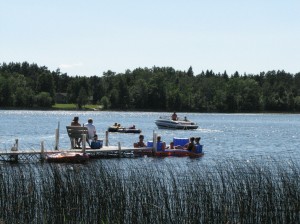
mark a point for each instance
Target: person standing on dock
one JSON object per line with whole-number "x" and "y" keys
{"x": 91, "y": 130}
{"x": 75, "y": 122}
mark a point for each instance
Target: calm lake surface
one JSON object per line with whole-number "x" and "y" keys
{"x": 224, "y": 136}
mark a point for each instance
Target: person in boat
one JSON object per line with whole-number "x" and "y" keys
{"x": 140, "y": 143}
{"x": 191, "y": 145}
{"x": 197, "y": 140}
{"x": 174, "y": 116}
{"x": 75, "y": 122}
{"x": 91, "y": 130}
{"x": 132, "y": 127}
{"x": 172, "y": 146}
{"x": 96, "y": 144}
{"x": 161, "y": 146}
{"x": 198, "y": 146}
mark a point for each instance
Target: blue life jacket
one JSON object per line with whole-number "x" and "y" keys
{"x": 96, "y": 144}
{"x": 198, "y": 148}
{"x": 159, "y": 146}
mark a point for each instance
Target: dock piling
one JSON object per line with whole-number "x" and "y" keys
{"x": 106, "y": 138}
{"x": 15, "y": 148}
{"x": 119, "y": 148}
{"x": 83, "y": 143}
{"x": 42, "y": 157}
{"x": 154, "y": 142}
{"x": 56, "y": 138}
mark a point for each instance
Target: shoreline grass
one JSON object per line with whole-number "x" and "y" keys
{"x": 74, "y": 107}
{"x": 106, "y": 192}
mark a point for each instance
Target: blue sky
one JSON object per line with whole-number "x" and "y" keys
{"x": 93, "y": 36}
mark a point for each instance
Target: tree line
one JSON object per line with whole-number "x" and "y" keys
{"x": 24, "y": 85}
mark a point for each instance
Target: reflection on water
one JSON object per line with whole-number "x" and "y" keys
{"x": 224, "y": 136}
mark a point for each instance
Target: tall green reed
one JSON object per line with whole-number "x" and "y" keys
{"x": 145, "y": 191}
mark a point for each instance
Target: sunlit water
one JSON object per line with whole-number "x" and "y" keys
{"x": 224, "y": 136}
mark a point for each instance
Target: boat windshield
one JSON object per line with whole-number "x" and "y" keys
{"x": 170, "y": 118}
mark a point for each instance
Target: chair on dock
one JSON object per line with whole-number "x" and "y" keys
{"x": 76, "y": 132}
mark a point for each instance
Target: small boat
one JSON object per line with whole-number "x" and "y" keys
{"x": 67, "y": 157}
{"x": 183, "y": 124}
{"x": 178, "y": 153}
{"x": 168, "y": 152}
{"x": 124, "y": 130}
{"x": 149, "y": 151}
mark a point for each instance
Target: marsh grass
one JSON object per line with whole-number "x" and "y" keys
{"x": 105, "y": 191}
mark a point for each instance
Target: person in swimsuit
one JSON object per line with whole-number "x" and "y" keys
{"x": 140, "y": 143}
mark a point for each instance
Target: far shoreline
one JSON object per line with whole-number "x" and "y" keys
{"x": 162, "y": 111}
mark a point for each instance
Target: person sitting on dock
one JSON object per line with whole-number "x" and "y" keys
{"x": 161, "y": 146}
{"x": 140, "y": 143}
{"x": 91, "y": 130}
{"x": 75, "y": 122}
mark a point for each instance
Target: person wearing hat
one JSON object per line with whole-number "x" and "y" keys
{"x": 91, "y": 130}
{"x": 76, "y": 123}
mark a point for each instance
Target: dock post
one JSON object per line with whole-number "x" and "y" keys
{"x": 15, "y": 148}
{"x": 42, "y": 151}
{"x": 106, "y": 138}
{"x": 56, "y": 137}
{"x": 154, "y": 142}
{"x": 83, "y": 142}
{"x": 119, "y": 148}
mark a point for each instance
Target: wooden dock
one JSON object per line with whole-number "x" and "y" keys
{"x": 15, "y": 155}
{"x": 37, "y": 156}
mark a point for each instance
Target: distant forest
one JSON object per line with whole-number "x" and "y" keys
{"x": 24, "y": 85}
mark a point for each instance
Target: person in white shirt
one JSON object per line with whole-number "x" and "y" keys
{"x": 91, "y": 130}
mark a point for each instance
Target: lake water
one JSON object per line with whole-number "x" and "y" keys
{"x": 224, "y": 136}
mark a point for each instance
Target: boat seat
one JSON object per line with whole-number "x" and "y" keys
{"x": 76, "y": 132}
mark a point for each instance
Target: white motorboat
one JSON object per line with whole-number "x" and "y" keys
{"x": 166, "y": 122}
